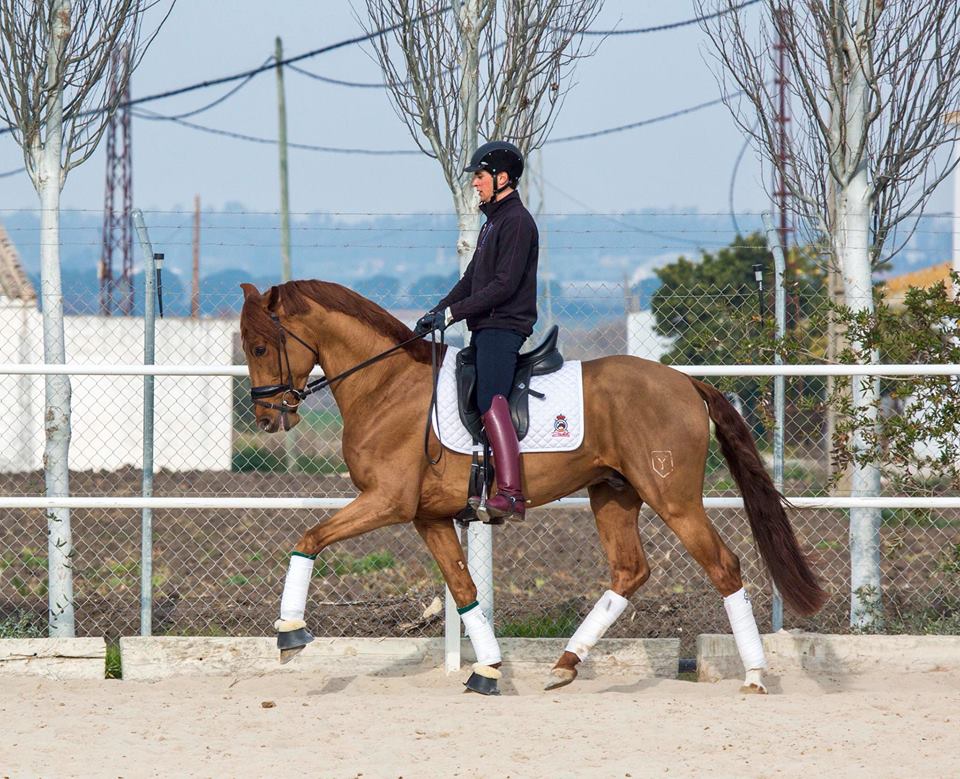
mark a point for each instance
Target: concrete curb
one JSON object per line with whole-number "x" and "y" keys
{"x": 149, "y": 659}
{"x": 55, "y": 658}
{"x": 788, "y": 651}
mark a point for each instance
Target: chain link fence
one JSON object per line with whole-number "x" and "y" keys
{"x": 220, "y": 572}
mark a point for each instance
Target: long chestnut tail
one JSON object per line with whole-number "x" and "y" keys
{"x": 765, "y": 506}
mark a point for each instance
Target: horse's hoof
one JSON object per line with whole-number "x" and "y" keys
{"x": 483, "y": 680}
{"x": 286, "y": 655}
{"x": 560, "y": 677}
{"x": 753, "y": 684}
{"x": 291, "y": 642}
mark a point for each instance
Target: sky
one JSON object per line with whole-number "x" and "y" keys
{"x": 684, "y": 163}
{"x": 681, "y": 164}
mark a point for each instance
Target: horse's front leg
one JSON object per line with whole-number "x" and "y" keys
{"x": 368, "y": 512}
{"x": 441, "y": 539}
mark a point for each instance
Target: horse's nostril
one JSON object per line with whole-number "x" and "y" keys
{"x": 264, "y": 424}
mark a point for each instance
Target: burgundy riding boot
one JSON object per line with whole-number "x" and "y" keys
{"x": 508, "y": 502}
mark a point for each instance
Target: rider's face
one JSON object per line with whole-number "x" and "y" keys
{"x": 483, "y": 184}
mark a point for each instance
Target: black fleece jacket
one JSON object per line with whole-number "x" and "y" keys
{"x": 499, "y": 287}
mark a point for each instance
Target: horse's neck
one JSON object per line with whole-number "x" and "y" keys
{"x": 345, "y": 343}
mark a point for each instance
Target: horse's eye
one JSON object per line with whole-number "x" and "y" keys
{"x": 259, "y": 351}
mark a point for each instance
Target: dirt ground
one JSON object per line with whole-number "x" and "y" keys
{"x": 421, "y": 724}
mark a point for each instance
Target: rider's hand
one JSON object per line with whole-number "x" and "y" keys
{"x": 432, "y": 320}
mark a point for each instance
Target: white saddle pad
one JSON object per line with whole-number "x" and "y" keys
{"x": 556, "y": 422}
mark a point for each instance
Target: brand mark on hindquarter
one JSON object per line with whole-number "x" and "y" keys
{"x": 662, "y": 461}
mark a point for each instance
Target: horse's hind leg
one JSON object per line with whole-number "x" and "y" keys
{"x": 442, "y": 541}
{"x": 692, "y": 526}
{"x": 616, "y": 511}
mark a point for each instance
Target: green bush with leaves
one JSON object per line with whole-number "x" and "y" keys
{"x": 914, "y": 440}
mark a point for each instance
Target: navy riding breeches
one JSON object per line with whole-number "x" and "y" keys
{"x": 496, "y": 363}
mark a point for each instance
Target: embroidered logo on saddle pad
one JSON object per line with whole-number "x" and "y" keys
{"x": 560, "y": 427}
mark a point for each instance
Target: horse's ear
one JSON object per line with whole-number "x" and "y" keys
{"x": 250, "y": 292}
{"x": 272, "y": 299}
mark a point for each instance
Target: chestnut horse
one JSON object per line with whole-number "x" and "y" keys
{"x": 635, "y": 412}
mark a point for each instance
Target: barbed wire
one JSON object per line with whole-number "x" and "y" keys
{"x": 344, "y": 228}
{"x": 432, "y": 246}
{"x": 448, "y": 214}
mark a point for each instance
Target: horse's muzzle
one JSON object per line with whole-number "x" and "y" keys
{"x": 280, "y": 420}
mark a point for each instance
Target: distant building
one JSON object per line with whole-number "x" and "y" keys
{"x": 14, "y": 283}
{"x": 194, "y": 415}
{"x": 897, "y": 286}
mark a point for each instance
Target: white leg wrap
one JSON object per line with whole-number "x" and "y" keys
{"x": 294, "y": 600}
{"x": 744, "y": 626}
{"x": 601, "y": 617}
{"x": 481, "y": 636}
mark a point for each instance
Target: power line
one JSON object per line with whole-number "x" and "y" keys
{"x": 286, "y": 61}
{"x": 222, "y": 98}
{"x": 142, "y": 114}
{"x": 642, "y": 122}
{"x": 153, "y": 116}
{"x": 337, "y": 81}
{"x": 671, "y": 25}
{"x": 248, "y": 74}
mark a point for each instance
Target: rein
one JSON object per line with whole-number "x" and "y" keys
{"x": 258, "y": 394}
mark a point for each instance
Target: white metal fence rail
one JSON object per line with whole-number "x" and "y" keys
{"x": 309, "y": 503}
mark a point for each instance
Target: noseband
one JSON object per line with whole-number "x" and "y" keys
{"x": 288, "y": 390}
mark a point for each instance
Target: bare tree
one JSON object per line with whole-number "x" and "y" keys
{"x": 460, "y": 71}
{"x": 871, "y": 83}
{"x": 58, "y": 60}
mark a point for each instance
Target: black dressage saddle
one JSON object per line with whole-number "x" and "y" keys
{"x": 543, "y": 359}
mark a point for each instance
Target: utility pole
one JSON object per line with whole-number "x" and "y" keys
{"x": 285, "y": 269}
{"x": 195, "y": 296}
{"x": 290, "y": 437}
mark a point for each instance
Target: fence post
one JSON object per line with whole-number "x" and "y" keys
{"x": 149, "y": 354}
{"x": 779, "y": 386}
{"x": 451, "y": 627}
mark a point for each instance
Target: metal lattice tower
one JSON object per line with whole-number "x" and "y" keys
{"x": 117, "y": 293}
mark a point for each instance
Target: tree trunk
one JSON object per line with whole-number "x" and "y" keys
{"x": 57, "y": 388}
{"x": 468, "y": 220}
{"x": 853, "y": 236}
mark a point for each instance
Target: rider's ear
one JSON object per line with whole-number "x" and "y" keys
{"x": 250, "y": 292}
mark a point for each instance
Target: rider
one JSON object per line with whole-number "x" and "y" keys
{"x": 497, "y": 295}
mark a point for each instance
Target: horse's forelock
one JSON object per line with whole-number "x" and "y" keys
{"x": 255, "y": 323}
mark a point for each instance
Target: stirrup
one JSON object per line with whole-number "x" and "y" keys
{"x": 484, "y": 515}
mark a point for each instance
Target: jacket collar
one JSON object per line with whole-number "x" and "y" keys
{"x": 490, "y": 209}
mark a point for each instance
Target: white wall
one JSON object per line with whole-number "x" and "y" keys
{"x": 642, "y": 339}
{"x": 193, "y": 415}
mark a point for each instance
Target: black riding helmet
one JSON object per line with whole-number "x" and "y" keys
{"x": 496, "y": 157}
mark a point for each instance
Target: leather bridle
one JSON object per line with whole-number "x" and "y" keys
{"x": 258, "y": 394}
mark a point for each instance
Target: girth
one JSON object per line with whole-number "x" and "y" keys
{"x": 543, "y": 359}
